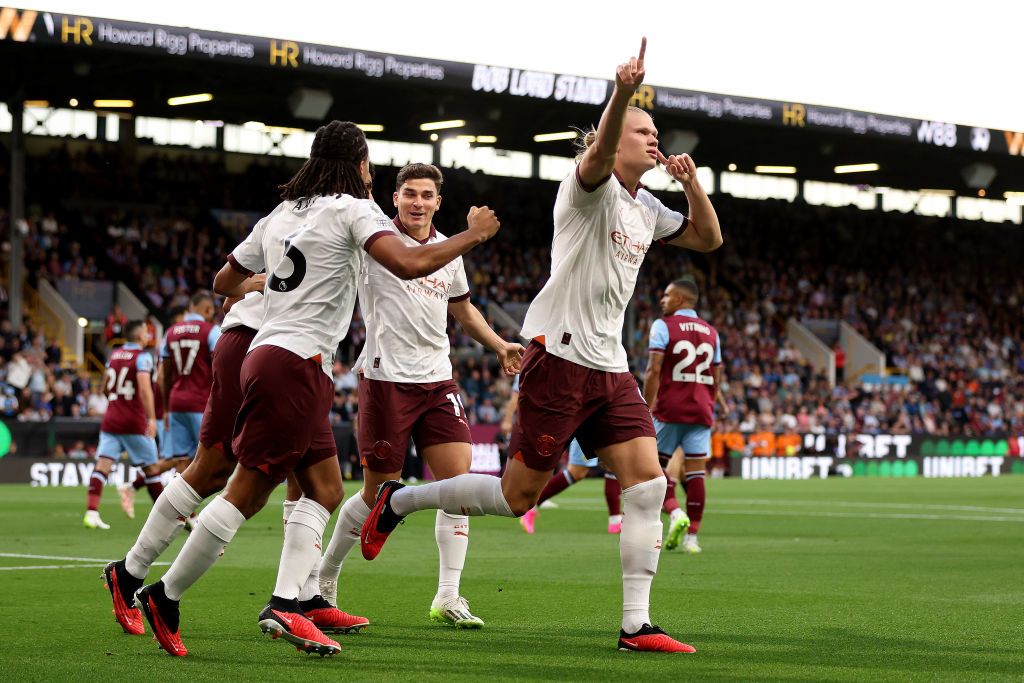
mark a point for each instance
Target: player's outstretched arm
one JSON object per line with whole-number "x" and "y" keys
{"x": 704, "y": 232}
{"x": 599, "y": 159}
{"x": 412, "y": 262}
{"x": 473, "y": 322}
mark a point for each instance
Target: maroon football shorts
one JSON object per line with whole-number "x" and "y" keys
{"x": 283, "y": 423}
{"x": 559, "y": 399}
{"x": 226, "y": 390}
{"x": 391, "y": 412}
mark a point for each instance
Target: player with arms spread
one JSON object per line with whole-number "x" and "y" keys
{"x": 311, "y": 246}
{"x": 406, "y": 389}
{"x": 575, "y": 379}
{"x": 682, "y": 395}
{"x": 129, "y": 425}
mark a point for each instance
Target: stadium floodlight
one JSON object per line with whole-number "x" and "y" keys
{"x": 856, "y": 168}
{"x": 785, "y": 170}
{"x": 479, "y": 139}
{"x": 189, "y": 99}
{"x": 442, "y": 125}
{"x": 73, "y": 102}
{"x": 113, "y": 104}
{"x": 732, "y": 167}
{"x": 551, "y": 137}
{"x": 371, "y": 127}
{"x": 82, "y": 322}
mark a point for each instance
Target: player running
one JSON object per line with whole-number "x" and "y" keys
{"x": 129, "y": 425}
{"x": 406, "y": 389}
{"x": 575, "y": 378}
{"x": 166, "y": 461}
{"x": 311, "y": 245}
{"x": 682, "y": 395}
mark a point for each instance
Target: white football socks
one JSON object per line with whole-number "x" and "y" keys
{"x": 311, "y": 588}
{"x": 165, "y": 521}
{"x": 216, "y": 526}
{"x": 466, "y": 494}
{"x": 286, "y": 511}
{"x": 345, "y": 537}
{"x": 303, "y": 535}
{"x": 452, "y": 535}
{"x": 639, "y": 549}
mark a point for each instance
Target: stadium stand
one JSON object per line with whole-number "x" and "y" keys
{"x": 949, "y": 320}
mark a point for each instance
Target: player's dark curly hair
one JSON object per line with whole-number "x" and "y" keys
{"x": 333, "y": 165}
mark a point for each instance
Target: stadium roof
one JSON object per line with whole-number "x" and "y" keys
{"x": 253, "y": 78}
{"x": 937, "y": 61}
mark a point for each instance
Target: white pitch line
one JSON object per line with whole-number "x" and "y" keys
{"x": 90, "y": 560}
{"x": 840, "y": 503}
{"x": 55, "y": 566}
{"x": 55, "y": 557}
{"x": 865, "y": 504}
{"x": 820, "y": 513}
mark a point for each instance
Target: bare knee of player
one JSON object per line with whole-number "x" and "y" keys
{"x": 448, "y": 460}
{"x": 327, "y": 493}
{"x": 695, "y": 463}
{"x": 578, "y": 472}
{"x": 209, "y": 472}
{"x": 632, "y": 462}
{"x": 321, "y": 483}
{"x": 104, "y": 464}
{"x": 292, "y": 491}
{"x": 521, "y": 503}
{"x": 249, "y": 491}
{"x": 372, "y": 481}
{"x": 520, "y": 495}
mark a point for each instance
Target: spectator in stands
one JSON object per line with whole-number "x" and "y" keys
{"x": 116, "y": 320}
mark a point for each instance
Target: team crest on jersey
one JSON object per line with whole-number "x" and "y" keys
{"x": 545, "y": 444}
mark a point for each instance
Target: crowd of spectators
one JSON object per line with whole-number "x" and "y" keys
{"x": 35, "y": 385}
{"x": 940, "y": 297}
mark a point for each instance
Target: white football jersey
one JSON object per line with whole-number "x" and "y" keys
{"x": 407, "y": 320}
{"x": 600, "y": 241}
{"x": 248, "y": 312}
{"x": 312, "y": 251}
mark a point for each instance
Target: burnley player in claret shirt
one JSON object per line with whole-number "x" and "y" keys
{"x": 682, "y": 385}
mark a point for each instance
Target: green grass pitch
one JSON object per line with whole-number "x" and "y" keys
{"x": 864, "y": 580}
